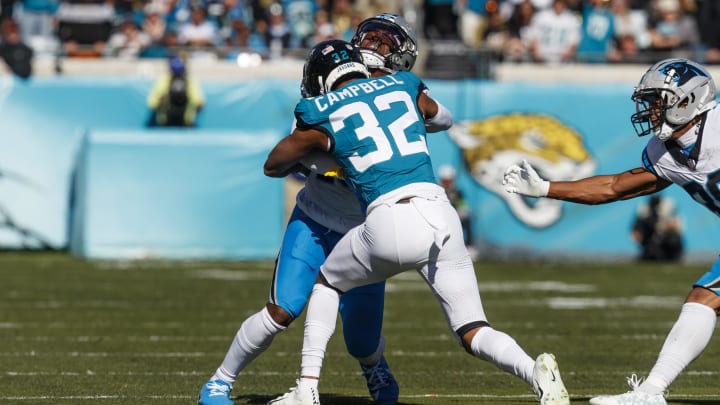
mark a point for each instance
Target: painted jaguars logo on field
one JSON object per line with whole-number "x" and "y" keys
{"x": 553, "y": 148}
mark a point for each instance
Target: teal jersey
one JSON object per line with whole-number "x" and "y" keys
{"x": 377, "y": 132}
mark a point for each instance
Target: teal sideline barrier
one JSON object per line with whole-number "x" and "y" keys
{"x": 565, "y": 130}
{"x": 44, "y": 121}
{"x": 176, "y": 195}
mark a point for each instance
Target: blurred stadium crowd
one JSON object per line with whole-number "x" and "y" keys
{"x": 539, "y": 31}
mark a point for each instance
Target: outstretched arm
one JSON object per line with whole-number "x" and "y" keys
{"x": 285, "y": 156}
{"x": 608, "y": 188}
{"x": 593, "y": 190}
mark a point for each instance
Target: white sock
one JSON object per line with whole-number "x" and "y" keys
{"x": 503, "y": 351}
{"x": 307, "y": 383}
{"x": 320, "y": 322}
{"x": 253, "y": 337}
{"x": 686, "y": 341}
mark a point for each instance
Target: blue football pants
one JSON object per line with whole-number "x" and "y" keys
{"x": 304, "y": 248}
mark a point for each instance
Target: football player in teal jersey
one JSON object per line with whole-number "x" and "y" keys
{"x": 326, "y": 208}
{"x": 675, "y": 102}
{"x": 375, "y": 128}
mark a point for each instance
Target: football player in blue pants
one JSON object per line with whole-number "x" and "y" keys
{"x": 375, "y": 127}
{"x": 675, "y": 102}
{"x": 326, "y": 209}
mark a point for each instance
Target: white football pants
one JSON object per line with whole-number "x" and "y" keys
{"x": 423, "y": 234}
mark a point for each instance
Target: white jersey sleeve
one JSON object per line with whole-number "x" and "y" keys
{"x": 331, "y": 203}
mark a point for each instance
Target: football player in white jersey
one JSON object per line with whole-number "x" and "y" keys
{"x": 325, "y": 210}
{"x": 675, "y": 102}
{"x": 375, "y": 128}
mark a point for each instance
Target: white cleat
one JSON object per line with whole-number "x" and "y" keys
{"x": 547, "y": 384}
{"x": 297, "y": 396}
{"x": 632, "y": 397}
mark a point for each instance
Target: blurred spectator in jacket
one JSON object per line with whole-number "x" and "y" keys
{"x": 243, "y": 46}
{"x": 355, "y": 20}
{"x": 472, "y": 16}
{"x": 178, "y": 11}
{"x": 555, "y": 34}
{"x": 160, "y": 7}
{"x": 37, "y": 24}
{"x": 154, "y": 26}
{"x": 176, "y": 98}
{"x": 658, "y": 230}
{"x": 708, "y": 18}
{"x": 278, "y": 33}
{"x": 672, "y": 30}
{"x": 198, "y": 30}
{"x": 128, "y": 41}
{"x": 597, "y": 33}
{"x": 518, "y": 46}
{"x": 232, "y": 10}
{"x": 258, "y": 38}
{"x": 238, "y": 35}
{"x": 300, "y": 16}
{"x": 631, "y": 31}
{"x": 16, "y": 54}
{"x": 341, "y": 14}
{"x": 324, "y": 28}
{"x": 496, "y": 35}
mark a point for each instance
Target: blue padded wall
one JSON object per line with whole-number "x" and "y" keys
{"x": 176, "y": 195}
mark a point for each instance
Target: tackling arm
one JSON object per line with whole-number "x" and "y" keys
{"x": 593, "y": 190}
{"x": 437, "y": 117}
{"x": 285, "y": 156}
{"x": 608, "y": 188}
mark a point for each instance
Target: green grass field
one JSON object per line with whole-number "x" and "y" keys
{"x": 77, "y": 332}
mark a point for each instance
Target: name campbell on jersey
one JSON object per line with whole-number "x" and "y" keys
{"x": 377, "y": 134}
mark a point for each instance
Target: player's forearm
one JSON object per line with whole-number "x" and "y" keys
{"x": 592, "y": 190}
{"x": 280, "y": 169}
{"x": 286, "y": 155}
{"x": 282, "y": 160}
{"x": 440, "y": 121}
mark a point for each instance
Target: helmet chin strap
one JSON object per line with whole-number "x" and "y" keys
{"x": 664, "y": 132}
{"x": 375, "y": 61}
{"x": 372, "y": 59}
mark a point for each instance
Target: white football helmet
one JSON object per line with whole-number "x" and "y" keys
{"x": 670, "y": 94}
{"x": 393, "y": 31}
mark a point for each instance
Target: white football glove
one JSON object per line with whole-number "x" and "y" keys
{"x": 525, "y": 180}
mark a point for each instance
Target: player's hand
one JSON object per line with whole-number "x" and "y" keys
{"x": 525, "y": 180}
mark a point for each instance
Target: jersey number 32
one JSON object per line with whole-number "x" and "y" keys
{"x": 371, "y": 128}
